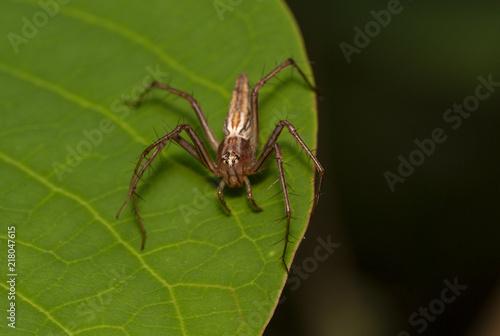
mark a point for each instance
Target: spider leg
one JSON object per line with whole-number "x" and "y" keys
{"x": 275, "y": 147}
{"x": 198, "y": 151}
{"x": 272, "y": 146}
{"x": 254, "y": 137}
{"x": 221, "y": 196}
{"x": 139, "y": 169}
{"x": 212, "y": 140}
{"x": 269, "y": 147}
{"x": 288, "y": 210}
{"x": 250, "y": 195}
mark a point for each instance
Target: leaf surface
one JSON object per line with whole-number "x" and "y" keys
{"x": 68, "y": 147}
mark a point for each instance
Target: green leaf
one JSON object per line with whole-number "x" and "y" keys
{"x": 68, "y": 146}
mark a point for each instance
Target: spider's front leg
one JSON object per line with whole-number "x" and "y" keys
{"x": 214, "y": 143}
{"x": 197, "y": 150}
{"x": 272, "y": 146}
{"x": 254, "y": 138}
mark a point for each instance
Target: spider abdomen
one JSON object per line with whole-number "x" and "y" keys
{"x": 239, "y": 119}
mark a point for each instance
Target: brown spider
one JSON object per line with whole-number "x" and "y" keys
{"x": 236, "y": 153}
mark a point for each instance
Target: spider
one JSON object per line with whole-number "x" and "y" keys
{"x": 236, "y": 153}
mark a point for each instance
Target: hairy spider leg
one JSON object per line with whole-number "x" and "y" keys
{"x": 212, "y": 139}
{"x": 198, "y": 151}
{"x": 271, "y": 146}
{"x": 254, "y": 137}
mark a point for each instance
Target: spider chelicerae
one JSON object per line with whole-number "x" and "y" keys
{"x": 236, "y": 153}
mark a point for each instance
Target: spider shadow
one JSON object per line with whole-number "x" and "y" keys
{"x": 187, "y": 115}
{"x": 167, "y": 163}
{"x": 209, "y": 190}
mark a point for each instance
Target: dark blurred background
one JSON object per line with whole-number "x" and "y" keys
{"x": 400, "y": 248}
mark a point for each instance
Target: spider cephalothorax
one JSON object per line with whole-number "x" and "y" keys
{"x": 233, "y": 158}
{"x": 236, "y": 153}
